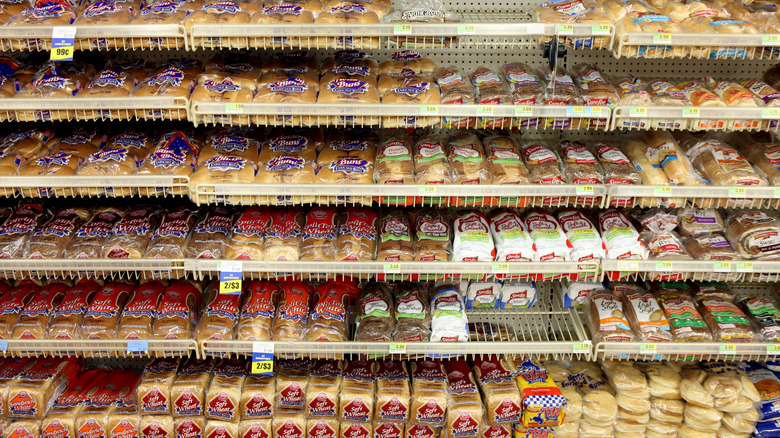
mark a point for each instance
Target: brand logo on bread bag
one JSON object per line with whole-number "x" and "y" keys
{"x": 187, "y": 404}
{"x": 229, "y": 143}
{"x": 406, "y": 55}
{"x": 48, "y": 11}
{"x": 356, "y": 410}
{"x": 434, "y": 227}
{"x": 393, "y": 409}
{"x": 321, "y": 429}
{"x": 22, "y": 404}
{"x": 387, "y": 430}
{"x": 420, "y": 431}
{"x": 361, "y": 229}
{"x": 225, "y": 306}
{"x": 358, "y": 70}
{"x": 221, "y": 86}
{"x": 222, "y": 406}
{"x": 125, "y": 429}
{"x": 55, "y": 429}
{"x": 154, "y": 430}
{"x": 222, "y": 7}
{"x": 507, "y": 412}
{"x": 50, "y": 81}
{"x": 170, "y": 76}
{"x": 290, "y": 85}
{"x": 430, "y": 412}
{"x": 283, "y": 9}
{"x": 289, "y": 430}
{"x": 349, "y": 9}
{"x": 288, "y": 143}
{"x": 100, "y": 8}
{"x": 498, "y": 431}
{"x": 348, "y": 145}
{"x": 292, "y": 394}
{"x": 132, "y": 140}
{"x": 413, "y": 90}
{"x": 225, "y": 162}
{"x": 347, "y": 86}
{"x": 188, "y": 429}
{"x": 108, "y": 77}
{"x": 60, "y": 158}
{"x": 215, "y": 223}
{"x": 258, "y": 406}
{"x": 282, "y": 163}
{"x": 166, "y": 157}
{"x": 154, "y": 401}
{"x": 163, "y": 7}
{"x": 356, "y": 430}
{"x": 91, "y": 429}
{"x": 256, "y": 431}
{"x": 322, "y": 406}
{"x": 464, "y": 425}
{"x": 349, "y": 165}
{"x": 105, "y": 155}
{"x": 219, "y": 432}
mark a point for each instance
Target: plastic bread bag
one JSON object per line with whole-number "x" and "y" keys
{"x": 318, "y": 237}
{"x": 542, "y": 401}
{"x": 357, "y": 234}
{"x": 550, "y": 242}
{"x": 35, "y": 316}
{"x": 699, "y": 95}
{"x": 560, "y": 89}
{"x": 620, "y": 237}
{"x": 725, "y": 319}
{"x": 467, "y": 160}
{"x": 763, "y": 156}
{"x": 504, "y": 161}
{"x": 753, "y": 233}
{"x": 543, "y": 164}
{"x": 472, "y": 240}
{"x": 430, "y": 161}
{"x": 665, "y": 245}
{"x": 394, "y": 164}
{"x": 140, "y": 310}
{"x": 176, "y": 155}
{"x": 412, "y": 312}
{"x": 292, "y": 312}
{"x": 220, "y": 315}
{"x": 581, "y": 233}
{"x": 483, "y": 295}
{"x": 328, "y": 319}
{"x": 287, "y": 159}
{"x": 455, "y": 88}
{"x": 577, "y": 11}
{"x": 767, "y": 385}
{"x": 491, "y": 90}
{"x": 649, "y": 21}
{"x": 525, "y": 86}
{"x": 159, "y": 12}
{"x": 178, "y": 311}
{"x": 512, "y": 241}
{"x": 48, "y": 14}
{"x": 348, "y": 161}
{"x": 516, "y": 295}
{"x": 646, "y": 317}
{"x": 283, "y": 235}
{"x": 665, "y": 150}
{"x": 69, "y": 315}
{"x": 616, "y": 166}
{"x": 257, "y": 311}
{"x": 697, "y": 222}
{"x": 394, "y": 239}
{"x": 711, "y": 247}
{"x": 218, "y": 12}
{"x": 431, "y": 236}
{"x": 12, "y": 303}
{"x": 169, "y": 239}
{"x": 764, "y": 314}
{"x": 632, "y": 91}
{"x": 132, "y": 234}
{"x": 291, "y": 385}
{"x": 595, "y": 89}
{"x": 608, "y": 321}
{"x": 448, "y": 317}
{"x": 650, "y": 171}
{"x": 580, "y": 166}
{"x": 102, "y": 317}
{"x": 210, "y": 235}
{"x": 763, "y": 91}
{"x": 89, "y": 240}
{"x": 109, "y": 161}
{"x": 51, "y": 239}
{"x": 246, "y": 240}
{"x": 350, "y": 62}
{"x": 722, "y": 164}
{"x": 376, "y": 321}
{"x": 407, "y": 59}
{"x": 663, "y": 93}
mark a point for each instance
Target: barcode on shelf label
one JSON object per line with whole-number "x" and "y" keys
{"x": 662, "y": 190}
{"x": 728, "y": 349}
{"x": 771, "y": 40}
{"x": 581, "y": 347}
{"x": 485, "y": 110}
{"x": 721, "y": 267}
{"x": 402, "y": 29}
{"x": 773, "y": 349}
{"x": 737, "y": 192}
{"x": 397, "y": 348}
{"x": 467, "y": 29}
{"x": 234, "y": 108}
{"x": 138, "y": 346}
{"x": 744, "y": 266}
{"x": 524, "y": 111}
{"x": 565, "y": 29}
{"x": 664, "y": 266}
{"x": 691, "y": 113}
{"x": 499, "y": 268}
{"x": 640, "y": 111}
{"x": 628, "y": 265}
{"x": 391, "y": 268}
{"x": 584, "y": 190}
{"x": 648, "y": 348}
{"x": 429, "y": 110}
{"x": 770, "y": 113}
{"x": 427, "y": 190}
{"x": 600, "y": 29}
{"x": 662, "y": 38}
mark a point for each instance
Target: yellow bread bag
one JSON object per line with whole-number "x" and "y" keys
{"x": 542, "y": 400}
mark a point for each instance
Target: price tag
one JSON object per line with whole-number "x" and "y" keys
{"x": 777, "y": 192}
{"x": 600, "y": 29}
{"x": 485, "y": 110}
{"x": 593, "y": 109}
{"x": 737, "y": 192}
{"x": 770, "y": 113}
{"x": 645, "y": 348}
{"x": 639, "y": 111}
{"x": 230, "y": 275}
{"x": 535, "y": 28}
{"x": 773, "y": 349}
{"x": 429, "y": 110}
{"x": 62, "y": 43}
{"x": 500, "y": 268}
{"x": 234, "y": 108}
{"x": 524, "y": 111}
{"x": 138, "y": 346}
{"x": 721, "y": 267}
{"x": 467, "y": 29}
{"x": 427, "y": 190}
{"x": 3, "y": 346}
{"x": 662, "y": 190}
{"x": 771, "y": 40}
{"x": 628, "y": 265}
{"x": 691, "y": 113}
{"x": 397, "y": 348}
{"x": 565, "y": 29}
{"x": 581, "y": 347}
{"x": 662, "y": 38}
{"x": 575, "y": 110}
{"x": 402, "y": 29}
{"x": 584, "y": 190}
{"x": 391, "y": 268}
{"x": 744, "y": 266}
{"x": 263, "y": 358}
{"x": 664, "y": 266}
{"x": 728, "y": 349}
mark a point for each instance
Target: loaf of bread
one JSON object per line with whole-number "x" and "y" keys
{"x": 423, "y": 93}
{"x": 543, "y": 164}
{"x": 724, "y": 319}
{"x": 348, "y": 161}
{"x": 170, "y": 238}
{"x": 12, "y": 303}
{"x": 765, "y": 158}
{"x": 753, "y": 234}
{"x": 102, "y": 317}
{"x": 246, "y": 240}
{"x": 224, "y": 394}
{"x": 220, "y": 316}
{"x": 178, "y": 311}
{"x": 607, "y": 319}
{"x": 140, "y": 310}
{"x": 69, "y": 315}
{"x": 467, "y": 160}
{"x": 130, "y": 236}
{"x": 292, "y": 313}
{"x": 430, "y": 161}
{"x": 257, "y": 312}
{"x": 504, "y": 161}
{"x": 432, "y": 236}
{"x": 50, "y": 240}
{"x": 394, "y": 240}
{"x": 89, "y": 240}
{"x": 412, "y": 310}
{"x": 455, "y": 88}
{"x": 209, "y": 237}
{"x": 377, "y": 314}
{"x": 110, "y": 82}
{"x": 257, "y": 400}
{"x": 646, "y": 317}
{"x": 34, "y": 318}
{"x": 160, "y": 12}
{"x": 283, "y": 235}
{"x": 686, "y": 322}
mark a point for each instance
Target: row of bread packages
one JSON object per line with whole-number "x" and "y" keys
{"x": 664, "y": 312}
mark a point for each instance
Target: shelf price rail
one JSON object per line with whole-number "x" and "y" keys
{"x": 22, "y": 109}
{"x": 696, "y": 118}
{"x": 696, "y": 45}
{"x": 98, "y": 348}
{"x": 93, "y": 185}
{"x": 97, "y": 37}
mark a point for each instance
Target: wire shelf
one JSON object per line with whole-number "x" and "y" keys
{"x": 94, "y": 109}
{"x": 97, "y": 37}
{"x": 103, "y": 348}
{"x": 696, "y": 46}
{"x": 90, "y": 268}
{"x": 111, "y": 186}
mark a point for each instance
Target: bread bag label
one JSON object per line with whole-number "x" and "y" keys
{"x": 322, "y": 405}
{"x": 649, "y": 315}
{"x": 420, "y": 431}
{"x": 459, "y": 380}
{"x": 464, "y": 425}
{"x": 433, "y": 227}
{"x": 256, "y": 431}
{"x": 23, "y": 405}
{"x": 542, "y": 400}
{"x": 221, "y": 406}
{"x": 154, "y": 401}
{"x": 125, "y": 429}
{"x": 63, "y": 224}
{"x": 23, "y": 220}
{"x": 682, "y": 314}
{"x": 394, "y": 410}
{"x": 155, "y": 430}
{"x": 108, "y": 301}
{"x": 321, "y": 429}
{"x": 92, "y": 429}
{"x": 347, "y": 86}
{"x": 187, "y": 404}
{"x": 356, "y": 430}
{"x": 610, "y": 312}
{"x": 288, "y": 430}
{"x": 292, "y": 395}
{"x": 55, "y": 429}
{"x": 725, "y": 313}
{"x": 349, "y": 165}
{"x": 188, "y": 429}
{"x": 258, "y": 406}
{"x": 356, "y": 410}
{"x": 498, "y": 431}
{"x": 388, "y": 430}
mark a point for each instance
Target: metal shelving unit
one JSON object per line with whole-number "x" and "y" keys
{"x": 696, "y": 118}
{"x": 696, "y": 45}
{"x": 90, "y": 268}
{"x": 97, "y": 37}
{"x": 99, "y": 348}
{"x": 92, "y": 109}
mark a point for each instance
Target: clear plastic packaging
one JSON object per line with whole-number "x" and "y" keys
{"x": 710, "y": 247}
{"x": 17, "y": 229}
{"x": 543, "y": 164}
{"x": 412, "y": 312}
{"x": 646, "y": 317}
{"x": 698, "y": 222}
{"x": 283, "y": 235}
{"x": 11, "y": 304}
{"x": 246, "y": 240}
{"x": 664, "y": 150}
{"x": 357, "y": 234}
{"x": 159, "y": 12}
{"x": 516, "y": 295}
{"x": 764, "y": 314}
{"x": 257, "y": 311}
{"x": 582, "y": 235}
{"x": 595, "y": 89}
{"x": 132, "y": 234}
{"x": 663, "y": 93}
{"x": 467, "y": 160}
{"x": 287, "y": 159}
{"x": 607, "y": 319}
{"x": 754, "y": 234}
{"x": 686, "y": 322}
{"x": 550, "y": 241}
{"x": 394, "y": 240}
{"x": 35, "y": 316}
{"x": 89, "y": 240}
{"x": 513, "y": 243}
{"x": 580, "y": 166}
{"x": 665, "y": 245}
{"x": 170, "y": 238}
{"x": 616, "y": 166}
{"x": 430, "y": 161}
{"x": 491, "y": 90}
{"x": 632, "y": 91}
{"x": 209, "y": 237}
{"x": 724, "y": 319}
{"x": 472, "y": 237}
{"x": 220, "y": 315}
{"x": 69, "y": 315}
{"x": 720, "y": 163}
{"x": 51, "y": 239}
{"x": 432, "y": 236}
{"x": 394, "y": 164}
{"x": 178, "y": 311}
{"x": 504, "y": 161}
{"x": 376, "y": 321}
{"x": 525, "y": 86}
{"x": 455, "y": 88}
{"x": 292, "y": 313}
{"x": 765, "y": 157}
{"x": 102, "y": 317}
{"x": 318, "y": 237}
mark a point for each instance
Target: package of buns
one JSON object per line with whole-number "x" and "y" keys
{"x": 430, "y": 161}
{"x": 51, "y": 239}
{"x": 171, "y": 82}
{"x": 412, "y": 312}
{"x": 169, "y": 239}
{"x": 648, "y": 20}
{"x": 394, "y": 164}
{"x": 725, "y": 320}
{"x": 491, "y": 89}
{"x": 246, "y": 240}
{"x": 394, "y": 237}
{"x": 229, "y": 142}
{"x": 504, "y": 162}
{"x": 431, "y": 235}
{"x": 467, "y": 160}
{"x": 220, "y": 315}
{"x": 159, "y": 12}
{"x": 754, "y": 234}
{"x": 188, "y": 391}
{"x": 455, "y": 88}
{"x": 224, "y": 393}
{"x": 257, "y": 311}
{"x": 209, "y": 237}
{"x": 286, "y": 87}
{"x": 632, "y": 92}
{"x": 664, "y": 151}
{"x": 550, "y": 241}
{"x": 48, "y": 82}
{"x": 292, "y": 312}
{"x": 607, "y": 318}
{"x": 154, "y": 389}
{"x": 178, "y": 311}
{"x": 175, "y": 154}
{"x": 699, "y": 95}
{"x": 580, "y": 166}
{"x": 218, "y": 12}
{"x": 140, "y": 310}
{"x": 419, "y": 93}
{"x": 350, "y": 91}
{"x": 407, "y": 60}
{"x": 69, "y": 315}
{"x": 225, "y": 90}
{"x": 11, "y": 304}
{"x": 510, "y": 236}
{"x": 281, "y": 14}
{"x": 429, "y": 393}
{"x": 287, "y": 159}
{"x": 617, "y": 169}
{"x": 664, "y": 93}
{"x": 472, "y": 239}
{"x": 349, "y": 160}
{"x": 542, "y": 401}
{"x": 680, "y": 310}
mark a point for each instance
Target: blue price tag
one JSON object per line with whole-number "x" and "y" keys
{"x": 263, "y": 358}
{"x": 3, "y": 346}
{"x": 62, "y": 43}
{"x": 138, "y": 346}
{"x": 230, "y": 274}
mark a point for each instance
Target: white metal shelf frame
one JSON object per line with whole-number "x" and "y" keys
{"x": 22, "y": 109}
{"x": 99, "y": 348}
{"x": 696, "y": 46}
{"x": 121, "y": 36}
{"x": 89, "y": 268}
{"x": 696, "y": 118}
{"x": 93, "y": 185}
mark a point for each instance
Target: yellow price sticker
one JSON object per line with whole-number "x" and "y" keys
{"x": 729, "y": 349}
{"x": 594, "y": 109}
{"x": 721, "y": 267}
{"x": 664, "y": 266}
{"x": 524, "y": 110}
{"x": 402, "y": 29}
{"x": 771, "y": 40}
{"x": 485, "y": 110}
{"x": 500, "y": 268}
{"x": 581, "y": 347}
{"x": 234, "y": 108}
{"x": 62, "y": 53}
{"x": 230, "y": 286}
{"x": 663, "y": 190}
{"x": 770, "y": 113}
{"x": 737, "y": 192}
{"x": 691, "y": 112}
{"x": 427, "y": 189}
{"x": 565, "y": 29}
{"x": 429, "y": 110}
{"x": 648, "y": 348}
{"x": 576, "y": 109}
{"x": 584, "y": 190}
{"x": 662, "y": 38}
{"x": 637, "y": 111}
{"x": 397, "y": 348}
{"x": 744, "y": 266}
{"x": 600, "y": 29}
{"x": 263, "y": 367}
{"x": 467, "y": 29}
{"x": 392, "y": 268}
{"x": 773, "y": 349}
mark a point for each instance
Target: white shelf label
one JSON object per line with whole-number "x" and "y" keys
{"x": 535, "y": 28}
{"x": 62, "y": 43}
{"x": 230, "y": 276}
{"x": 500, "y": 268}
{"x": 138, "y": 346}
{"x": 234, "y": 108}
{"x": 263, "y": 358}
{"x": 628, "y": 265}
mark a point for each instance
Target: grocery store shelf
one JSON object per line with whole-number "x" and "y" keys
{"x": 90, "y": 109}
{"x": 314, "y": 270}
{"x": 696, "y": 45}
{"x": 468, "y": 30}
{"x": 507, "y": 195}
{"x": 697, "y": 270}
{"x": 545, "y": 330}
{"x": 687, "y": 350}
{"x": 99, "y": 348}
{"x": 73, "y": 268}
{"x": 93, "y": 185}
{"x": 97, "y": 37}
{"x": 701, "y": 196}
{"x": 696, "y": 118}
{"x": 398, "y": 115}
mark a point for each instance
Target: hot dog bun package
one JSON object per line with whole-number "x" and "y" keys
{"x": 542, "y": 400}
